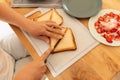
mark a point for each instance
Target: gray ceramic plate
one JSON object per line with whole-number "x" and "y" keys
{"x": 82, "y": 8}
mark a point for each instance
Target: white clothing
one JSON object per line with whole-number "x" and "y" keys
{"x": 9, "y": 65}
{"x": 6, "y": 66}
{"x": 12, "y": 45}
{"x": 21, "y": 62}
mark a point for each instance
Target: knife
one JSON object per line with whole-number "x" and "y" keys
{"x": 44, "y": 58}
{"x": 46, "y": 54}
{"x": 45, "y": 78}
{"x": 117, "y": 76}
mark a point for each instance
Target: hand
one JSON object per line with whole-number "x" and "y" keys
{"x": 32, "y": 71}
{"x": 35, "y": 69}
{"x": 41, "y": 30}
{"x": 44, "y": 29}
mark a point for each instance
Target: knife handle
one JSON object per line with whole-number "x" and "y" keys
{"x": 46, "y": 54}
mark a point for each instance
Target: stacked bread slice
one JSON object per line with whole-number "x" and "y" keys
{"x": 54, "y": 41}
{"x": 51, "y": 15}
{"x": 68, "y": 41}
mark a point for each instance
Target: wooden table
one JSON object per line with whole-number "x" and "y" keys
{"x": 101, "y": 63}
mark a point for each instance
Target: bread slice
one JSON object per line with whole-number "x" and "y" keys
{"x": 33, "y": 16}
{"x": 44, "y": 17}
{"x": 51, "y": 15}
{"x": 66, "y": 43}
{"x": 56, "y": 17}
{"x": 53, "y": 41}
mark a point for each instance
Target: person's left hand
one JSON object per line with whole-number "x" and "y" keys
{"x": 43, "y": 29}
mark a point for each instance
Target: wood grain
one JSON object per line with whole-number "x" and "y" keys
{"x": 101, "y": 63}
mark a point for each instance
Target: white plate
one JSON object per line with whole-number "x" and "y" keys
{"x": 93, "y": 31}
{"x": 82, "y": 8}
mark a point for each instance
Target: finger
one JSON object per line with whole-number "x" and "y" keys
{"x": 53, "y": 24}
{"x": 44, "y": 38}
{"x": 40, "y": 76}
{"x": 43, "y": 69}
{"x": 50, "y": 34}
{"x": 46, "y": 54}
{"x": 54, "y": 30}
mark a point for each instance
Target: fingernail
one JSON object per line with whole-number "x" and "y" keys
{"x": 60, "y": 37}
{"x": 63, "y": 32}
{"x": 48, "y": 41}
{"x": 60, "y": 27}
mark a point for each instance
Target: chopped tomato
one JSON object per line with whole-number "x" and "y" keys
{"x": 118, "y": 25}
{"x": 97, "y": 23}
{"x": 100, "y": 18}
{"x": 107, "y": 19}
{"x": 100, "y": 30}
{"x": 108, "y": 26}
{"x": 116, "y": 17}
{"x": 118, "y": 32}
{"x": 117, "y": 37}
{"x": 108, "y": 37}
{"x": 112, "y": 14}
{"x": 113, "y": 30}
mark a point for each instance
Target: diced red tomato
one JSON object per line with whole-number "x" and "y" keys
{"x": 112, "y": 14}
{"x": 118, "y": 32}
{"x": 100, "y": 30}
{"x": 116, "y": 17}
{"x": 105, "y": 16}
{"x": 117, "y": 37}
{"x": 97, "y": 23}
{"x": 109, "y": 33}
{"x": 113, "y": 30}
{"x": 107, "y": 19}
{"x": 108, "y": 37}
{"x": 109, "y": 40}
{"x": 118, "y": 25}
{"x": 100, "y": 18}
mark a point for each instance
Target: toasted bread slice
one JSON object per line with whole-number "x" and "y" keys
{"x": 44, "y": 17}
{"x": 53, "y": 41}
{"x": 66, "y": 43}
{"x": 51, "y": 15}
{"x": 56, "y": 17}
{"x": 31, "y": 17}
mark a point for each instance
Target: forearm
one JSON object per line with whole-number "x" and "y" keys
{"x": 9, "y": 15}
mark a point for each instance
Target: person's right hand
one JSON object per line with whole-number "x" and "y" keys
{"x": 34, "y": 70}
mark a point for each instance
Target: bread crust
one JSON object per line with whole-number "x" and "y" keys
{"x": 59, "y": 16}
{"x": 36, "y": 18}
{"x": 70, "y": 48}
{"x": 58, "y": 39}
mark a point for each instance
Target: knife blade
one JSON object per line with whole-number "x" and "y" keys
{"x": 45, "y": 77}
{"x": 117, "y": 76}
